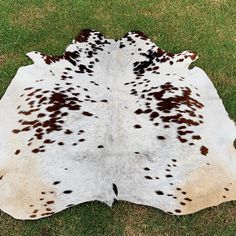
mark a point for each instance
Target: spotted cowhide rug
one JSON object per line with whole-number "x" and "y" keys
{"x": 114, "y": 120}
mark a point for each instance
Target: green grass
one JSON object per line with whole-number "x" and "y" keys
{"x": 204, "y": 26}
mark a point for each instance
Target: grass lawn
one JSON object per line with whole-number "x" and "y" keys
{"x": 204, "y": 26}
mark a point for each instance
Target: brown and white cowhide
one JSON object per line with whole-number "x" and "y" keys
{"x": 114, "y": 120}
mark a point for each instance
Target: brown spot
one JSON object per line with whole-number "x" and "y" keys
{"x": 138, "y": 111}
{"x": 159, "y": 52}
{"x": 50, "y": 202}
{"x": 83, "y": 35}
{"x": 69, "y": 56}
{"x": 169, "y": 176}
{"x": 204, "y": 150}
{"x": 48, "y": 141}
{"x": 182, "y": 140}
{"x": 178, "y": 211}
{"x": 146, "y": 168}
{"x": 68, "y": 131}
{"x": 180, "y": 132}
{"x": 47, "y": 213}
{"x": 67, "y": 191}
{"x": 180, "y": 60}
{"x": 159, "y": 192}
{"x": 148, "y": 177}
{"x": 15, "y": 131}
{"x": 36, "y": 150}
{"x": 193, "y": 56}
{"x": 86, "y": 113}
{"x": 17, "y": 151}
{"x": 141, "y": 35}
{"x": 148, "y": 110}
{"x": 153, "y": 115}
{"x": 137, "y": 126}
{"x": 188, "y": 199}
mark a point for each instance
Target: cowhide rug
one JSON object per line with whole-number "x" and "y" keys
{"x": 114, "y": 119}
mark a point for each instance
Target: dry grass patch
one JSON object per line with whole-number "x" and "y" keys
{"x": 217, "y": 3}
{"x": 134, "y": 219}
{"x": 10, "y": 57}
{"x": 101, "y": 14}
{"x": 29, "y": 15}
{"x": 222, "y": 80}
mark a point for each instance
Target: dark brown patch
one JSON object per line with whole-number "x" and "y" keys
{"x": 188, "y": 199}
{"x": 204, "y": 150}
{"x": 86, "y": 113}
{"x": 50, "y": 202}
{"x": 182, "y": 140}
{"x": 159, "y": 192}
{"x": 146, "y": 168}
{"x": 83, "y": 35}
{"x": 148, "y": 177}
{"x": 67, "y": 191}
{"x": 138, "y": 111}
{"x": 169, "y": 176}
{"x": 17, "y": 151}
{"x": 47, "y": 213}
{"x": 68, "y": 131}
{"x": 178, "y": 211}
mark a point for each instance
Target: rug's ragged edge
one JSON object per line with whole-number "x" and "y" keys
{"x": 184, "y": 58}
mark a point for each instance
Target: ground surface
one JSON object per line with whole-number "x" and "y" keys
{"x": 204, "y": 26}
